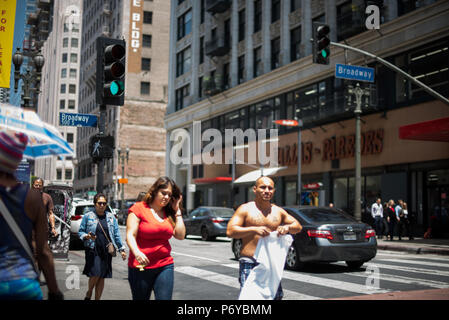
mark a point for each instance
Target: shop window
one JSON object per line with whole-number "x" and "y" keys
{"x": 341, "y": 193}
{"x": 290, "y": 193}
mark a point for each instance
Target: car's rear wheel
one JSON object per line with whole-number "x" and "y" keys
{"x": 205, "y": 234}
{"x": 237, "y": 248}
{"x": 292, "y": 261}
{"x": 354, "y": 264}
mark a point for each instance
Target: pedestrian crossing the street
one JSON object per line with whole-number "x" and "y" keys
{"x": 388, "y": 272}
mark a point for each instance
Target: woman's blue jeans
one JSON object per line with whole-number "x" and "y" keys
{"x": 159, "y": 280}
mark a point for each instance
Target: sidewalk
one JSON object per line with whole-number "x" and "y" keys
{"x": 417, "y": 246}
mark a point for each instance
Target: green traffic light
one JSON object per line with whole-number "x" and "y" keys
{"x": 324, "y": 53}
{"x": 114, "y": 88}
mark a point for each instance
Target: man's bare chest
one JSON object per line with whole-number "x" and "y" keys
{"x": 271, "y": 220}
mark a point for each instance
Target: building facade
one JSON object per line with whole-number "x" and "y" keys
{"x": 245, "y": 63}
{"x": 59, "y": 85}
{"x": 138, "y": 125}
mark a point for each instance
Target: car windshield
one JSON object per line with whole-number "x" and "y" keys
{"x": 327, "y": 216}
{"x": 222, "y": 212}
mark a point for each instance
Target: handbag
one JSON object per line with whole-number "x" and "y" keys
{"x": 110, "y": 246}
{"x": 18, "y": 233}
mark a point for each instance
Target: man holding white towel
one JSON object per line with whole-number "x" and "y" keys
{"x": 257, "y": 219}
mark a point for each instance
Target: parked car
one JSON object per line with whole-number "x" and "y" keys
{"x": 208, "y": 222}
{"x": 122, "y": 214}
{"x": 79, "y": 208}
{"x": 328, "y": 235}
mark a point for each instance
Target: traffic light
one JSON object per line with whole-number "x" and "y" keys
{"x": 101, "y": 147}
{"x": 321, "y": 42}
{"x": 111, "y": 62}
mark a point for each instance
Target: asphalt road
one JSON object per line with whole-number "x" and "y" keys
{"x": 206, "y": 270}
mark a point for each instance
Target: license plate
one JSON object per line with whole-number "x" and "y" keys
{"x": 349, "y": 236}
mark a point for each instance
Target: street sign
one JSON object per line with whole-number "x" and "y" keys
{"x": 290, "y": 123}
{"x": 77, "y": 119}
{"x": 358, "y": 73}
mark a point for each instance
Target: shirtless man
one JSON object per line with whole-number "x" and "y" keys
{"x": 257, "y": 219}
{"x": 38, "y": 184}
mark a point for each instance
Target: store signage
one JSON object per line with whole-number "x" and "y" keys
{"x": 338, "y": 147}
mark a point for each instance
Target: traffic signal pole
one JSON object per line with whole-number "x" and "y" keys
{"x": 394, "y": 68}
{"x": 100, "y": 168}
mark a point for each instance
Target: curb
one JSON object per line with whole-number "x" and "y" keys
{"x": 414, "y": 249}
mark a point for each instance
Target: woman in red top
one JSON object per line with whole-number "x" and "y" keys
{"x": 151, "y": 223}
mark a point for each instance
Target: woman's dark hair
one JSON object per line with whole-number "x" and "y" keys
{"x": 163, "y": 183}
{"x": 98, "y": 196}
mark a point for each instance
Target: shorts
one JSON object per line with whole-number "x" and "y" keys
{"x": 22, "y": 289}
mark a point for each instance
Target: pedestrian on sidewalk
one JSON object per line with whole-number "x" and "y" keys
{"x": 257, "y": 219}
{"x": 377, "y": 214}
{"x": 38, "y": 184}
{"x": 18, "y": 273}
{"x": 98, "y": 229}
{"x": 391, "y": 219}
{"x": 151, "y": 223}
{"x": 404, "y": 222}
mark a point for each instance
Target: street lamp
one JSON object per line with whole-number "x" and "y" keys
{"x": 298, "y": 124}
{"x": 122, "y": 157}
{"x": 29, "y": 77}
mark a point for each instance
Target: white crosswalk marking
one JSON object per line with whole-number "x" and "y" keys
{"x": 341, "y": 285}
{"x": 419, "y": 262}
{"x": 409, "y": 269}
{"x": 233, "y": 281}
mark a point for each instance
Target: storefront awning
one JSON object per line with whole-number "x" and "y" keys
{"x": 433, "y": 130}
{"x": 252, "y": 176}
{"x": 212, "y": 180}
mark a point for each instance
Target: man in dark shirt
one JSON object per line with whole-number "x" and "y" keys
{"x": 38, "y": 184}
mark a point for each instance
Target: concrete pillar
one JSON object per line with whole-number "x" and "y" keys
{"x": 306, "y": 28}
{"x": 234, "y": 43}
{"x": 285, "y": 33}
{"x": 195, "y": 48}
{"x": 172, "y": 64}
{"x": 331, "y": 18}
{"x": 266, "y": 40}
{"x": 249, "y": 56}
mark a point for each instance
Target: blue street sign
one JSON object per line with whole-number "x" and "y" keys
{"x": 358, "y": 73}
{"x": 77, "y": 119}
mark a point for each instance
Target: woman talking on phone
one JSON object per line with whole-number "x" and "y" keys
{"x": 99, "y": 230}
{"x": 151, "y": 223}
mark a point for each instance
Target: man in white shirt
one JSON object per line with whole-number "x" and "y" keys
{"x": 377, "y": 212}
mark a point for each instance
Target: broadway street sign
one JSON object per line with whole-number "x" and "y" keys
{"x": 77, "y": 119}
{"x": 358, "y": 73}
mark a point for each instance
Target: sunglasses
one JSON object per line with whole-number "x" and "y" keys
{"x": 101, "y": 203}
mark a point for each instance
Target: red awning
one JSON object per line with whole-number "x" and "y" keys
{"x": 433, "y": 130}
{"x": 212, "y": 180}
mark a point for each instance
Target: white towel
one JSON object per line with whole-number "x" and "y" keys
{"x": 263, "y": 281}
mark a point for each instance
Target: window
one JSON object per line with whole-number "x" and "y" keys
{"x": 61, "y": 104}
{"x": 74, "y": 42}
{"x": 148, "y": 17}
{"x": 295, "y": 42}
{"x": 183, "y": 61}
{"x": 69, "y": 137}
{"x": 68, "y": 174}
{"x": 257, "y": 15}
{"x": 349, "y": 20}
{"x": 257, "y": 62}
{"x": 200, "y": 87}
{"x": 226, "y": 76}
{"x": 63, "y": 88}
{"x": 295, "y": 5}
{"x": 58, "y": 174}
{"x": 275, "y": 10}
{"x": 201, "y": 50}
{"x": 145, "y": 88}
{"x": 227, "y": 33}
{"x": 73, "y": 57}
{"x": 275, "y": 53}
{"x": 64, "y": 73}
{"x": 180, "y": 95}
{"x": 146, "y": 40}
{"x": 242, "y": 24}
{"x": 241, "y": 69}
{"x": 71, "y": 104}
{"x": 146, "y": 64}
{"x": 72, "y": 88}
{"x": 64, "y": 57}
{"x": 184, "y": 24}
{"x": 65, "y": 42}
{"x": 72, "y": 73}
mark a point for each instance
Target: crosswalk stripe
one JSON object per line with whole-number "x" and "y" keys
{"x": 419, "y": 262}
{"x": 402, "y": 279}
{"x": 407, "y": 269}
{"x": 233, "y": 282}
{"x": 414, "y": 256}
{"x": 335, "y": 284}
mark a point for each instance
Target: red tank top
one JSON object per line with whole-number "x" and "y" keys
{"x": 152, "y": 237}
